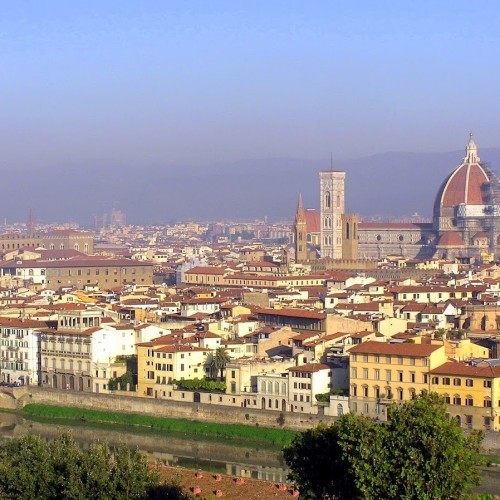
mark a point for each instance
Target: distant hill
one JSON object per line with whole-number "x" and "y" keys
{"x": 389, "y": 184}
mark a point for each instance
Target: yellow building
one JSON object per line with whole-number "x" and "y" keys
{"x": 472, "y": 391}
{"x": 160, "y": 362}
{"x": 381, "y": 373}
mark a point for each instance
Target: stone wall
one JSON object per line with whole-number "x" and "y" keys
{"x": 162, "y": 408}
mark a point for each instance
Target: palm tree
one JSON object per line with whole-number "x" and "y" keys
{"x": 217, "y": 361}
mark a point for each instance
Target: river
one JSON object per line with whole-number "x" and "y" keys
{"x": 231, "y": 458}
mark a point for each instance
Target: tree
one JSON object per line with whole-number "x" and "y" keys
{"x": 218, "y": 360}
{"x": 31, "y": 468}
{"x": 420, "y": 453}
{"x": 429, "y": 453}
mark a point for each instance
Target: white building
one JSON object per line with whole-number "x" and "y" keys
{"x": 19, "y": 350}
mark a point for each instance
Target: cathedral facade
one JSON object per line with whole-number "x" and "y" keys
{"x": 466, "y": 221}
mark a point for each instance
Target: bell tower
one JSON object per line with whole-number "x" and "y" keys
{"x": 332, "y": 206}
{"x": 300, "y": 228}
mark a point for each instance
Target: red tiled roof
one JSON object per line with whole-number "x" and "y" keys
{"x": 465, "y": 185}
{"x": 313, "y": 224}
{"x": 450, "y": 239}
{"x": 412, "y": 350}
{"x": 457, "y": 368}
{"x": 292, "y": 313}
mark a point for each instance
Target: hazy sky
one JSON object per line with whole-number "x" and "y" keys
{"x": 194, "y": 82}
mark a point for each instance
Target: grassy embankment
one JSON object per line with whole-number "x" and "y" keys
{"x": 277, "y": 437}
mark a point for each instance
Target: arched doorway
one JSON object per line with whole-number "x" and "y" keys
{"x": 340, "y": 410}
{"x": 80, "y": 383}
{"x": 196, "y": 397}
{"x": 283, "y": 405}
{"x": 63, "y": 382}
{"x": 54, "y": 381}
{"x": 263, "y": 406}
{"x": 72, "y": 382}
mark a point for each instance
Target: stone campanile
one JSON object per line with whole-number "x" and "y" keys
{"x": 332, "y": 206}
{"x": 300, "y": 227}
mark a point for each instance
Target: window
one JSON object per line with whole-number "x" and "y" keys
{"x": 354, "y": 372}
{"x": 354, "y": 390}
{"x": 377, "y": 359}
{"x": 487, "y": 384}
{"x": 365, "y": 373}
{"x": 435, "y": 380}
{"x": 412, "y": 361}
{"x": 377, "y": 374}
{"x": 388, "y": 360}
{"x": 447, "y": 399}
{"x": 400, "y": 360}
{"x": 487, "y": 403}
{"x": 446, "y": 381}
{"x": 365, "y": 358}
{"x": 457, "y": 400}
{"x": 469, "y": 401}
{"x": 388, "y": 375}
{"x": 468, "y": 419}
{"x": 469, "y": 382}
{"x": 457, "y": 381}
{"x": 412, "y": 377}
{"x": 365, "y": 391}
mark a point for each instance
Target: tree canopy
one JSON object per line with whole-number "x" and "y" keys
{"x": 218, "y": 360}
{"x": 34, "y": 469}
{"x": 419, "y": 454}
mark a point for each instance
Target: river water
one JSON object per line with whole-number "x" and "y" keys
{"x": 232, "y": 458}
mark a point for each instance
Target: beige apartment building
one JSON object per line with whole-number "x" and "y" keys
{"x": 59, "y": 239}
{"x": 81, "y": 272}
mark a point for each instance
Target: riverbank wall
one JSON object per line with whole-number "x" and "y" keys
{"x": 17, "y": 398}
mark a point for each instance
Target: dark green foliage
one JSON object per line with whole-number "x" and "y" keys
{"x": 217, "y": 361}
{"x": 323, "y": 398}
{"x": 200, "y": 384}
{"x": 419, "y": 454}
{"x": 126, "y": 378}
{"x": 31, "y": 468}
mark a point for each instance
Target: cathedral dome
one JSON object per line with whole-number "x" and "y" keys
{"x": 467, "y": 184}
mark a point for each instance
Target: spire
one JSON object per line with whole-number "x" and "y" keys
{"x": 471, "y": 151}
{"x": 300, "y": 213}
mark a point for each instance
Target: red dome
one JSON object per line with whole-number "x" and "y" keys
{"x": 313, "y": 220}
{"x": 466, "y": 185}
{"x": 450, "y": 239}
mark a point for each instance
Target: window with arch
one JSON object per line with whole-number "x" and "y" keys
{"x": 328, "y": 199}
{"x": 338, "y": 200}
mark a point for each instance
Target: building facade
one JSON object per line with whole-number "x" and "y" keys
{"x": 332, "y": 207}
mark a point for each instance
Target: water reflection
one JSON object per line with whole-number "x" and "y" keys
{"x": 172, "y": 450}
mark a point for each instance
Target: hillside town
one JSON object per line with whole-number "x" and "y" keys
{"x": 223, "y": 314}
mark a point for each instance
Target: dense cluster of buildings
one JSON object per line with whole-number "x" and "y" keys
{"x": 351, "y": 317}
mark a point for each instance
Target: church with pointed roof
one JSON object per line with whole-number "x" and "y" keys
{"x": 466, "y": 221}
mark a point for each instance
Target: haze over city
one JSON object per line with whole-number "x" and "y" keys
{"x": 228, "y": 109}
